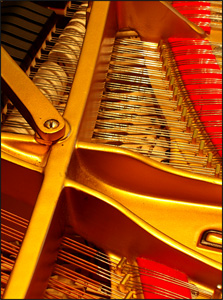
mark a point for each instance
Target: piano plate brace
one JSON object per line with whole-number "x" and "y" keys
{"x": 31, "y": 103}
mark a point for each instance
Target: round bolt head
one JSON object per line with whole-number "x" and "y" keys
{"x": 50, "y": 124}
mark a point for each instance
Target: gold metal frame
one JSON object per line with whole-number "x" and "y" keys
{"x": 159, "y": 212}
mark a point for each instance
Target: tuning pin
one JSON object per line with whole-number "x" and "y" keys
{"x": 183, "y": 115}
{"x": 120, "y": 266}
{"x": 162, "y": 55}
{"x": 179, "y": 103}
{"x": 168, "y": 73}
{"x": 201, "y": 148}
{"x": 165, "y": 64}
{"x": 160, "y": 45}
{"x": 130, "y": 295}
{"x": 194, "y": 137}
{"x": 175, "y": 93}
{"x": 210, "y": 156}
{"x": 217, "y": 170}
{"x": 189, "y": 124}
{"x": 172, "y": 81}
{"x": 162, "y": 49}
{"x": 122, "y": 286}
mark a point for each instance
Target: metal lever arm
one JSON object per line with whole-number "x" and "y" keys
{"x": 31, "y": 103}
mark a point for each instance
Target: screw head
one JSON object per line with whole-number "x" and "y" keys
{"x": 50, "y": 124}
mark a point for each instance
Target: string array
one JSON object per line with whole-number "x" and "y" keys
{"x": 201, "y": 89}
{"x": 206, "y": 14}
{"x": 13, "y": 228}
{"x": 83, "y": 271}
{"x": 143, "y": 109}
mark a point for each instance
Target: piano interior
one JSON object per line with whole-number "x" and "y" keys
{"x": 111, "y": 150}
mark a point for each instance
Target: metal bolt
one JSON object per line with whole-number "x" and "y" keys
{"x": 50, "y": 124}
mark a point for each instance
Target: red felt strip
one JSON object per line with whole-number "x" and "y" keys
{"x": 199, "y": 66}
{"x": 187, "y": 40}
{"x": 203, "y": 86}
{"x": 205, "y": 96}
{"x": 202, "y": 20}
{"x": 194, "y": 12}
{"x": 192, "y": 47}
{"x": 191, "y": 10}
{"x": 175, "y": 42}
{"x": 206, "y": 28}
{"x": 195, "y": 56}
{"x": 190, "y": 3}
{"x": 203, "y": 23}
{"x": 201, "y": 108}
{"x": 157, "y": 288}
{"x": 191, "y": 62}
{"x": 207, "y": 119}
{"x": 202, "y": 75}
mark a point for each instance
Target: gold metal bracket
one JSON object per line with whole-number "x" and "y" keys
{"x": 31, "y": 103}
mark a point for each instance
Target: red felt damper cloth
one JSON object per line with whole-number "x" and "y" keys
{"x": 192, "y": 47}
{"x": 199, "y": 66}
{"x": 203, "y": 76}
{"x": 192, "y": 57}
{"x": 162, "y": 282}
{"x": 193, "y": 10}
{"x": 203, "y": 23}
{"x": 188, "y": 41}
{"x": 203, "y": 94}
{"x": 190, "y": 3}
{"x": 201, "y": 20}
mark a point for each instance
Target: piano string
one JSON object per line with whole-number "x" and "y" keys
{"x": 143, "y": 107}
{"x": 206, "y": 14}
{"x": 13, "y": 228}
{"x": 82, "y": 271}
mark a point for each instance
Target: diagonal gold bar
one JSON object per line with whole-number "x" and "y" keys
{"x": 32, "y": 104}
